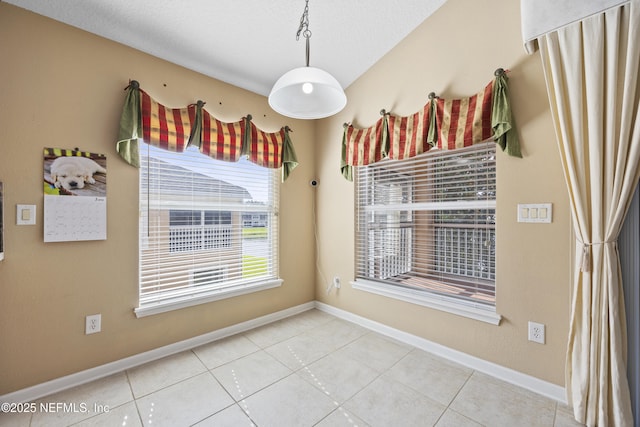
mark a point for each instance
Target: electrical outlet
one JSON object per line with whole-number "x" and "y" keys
{"x": 336, "y": 282}
{"x": 93, "y": 324}
{"x": 536, "y": 332}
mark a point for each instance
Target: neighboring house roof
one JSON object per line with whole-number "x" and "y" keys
{"x": 178, "y": 181}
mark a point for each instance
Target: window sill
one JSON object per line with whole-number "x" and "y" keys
{"x": 438, "y": 302}
{"x": 177, "y": 303}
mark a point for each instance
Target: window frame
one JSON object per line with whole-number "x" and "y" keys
{"x": 367, "y": 281}
{"x": 190, "y": 292}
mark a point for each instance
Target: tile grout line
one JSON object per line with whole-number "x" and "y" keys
{"x": 135, "y": 400}
{"x": 448, "y": 406}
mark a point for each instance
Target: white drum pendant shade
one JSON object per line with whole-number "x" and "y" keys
{"x": 324, "y": 96}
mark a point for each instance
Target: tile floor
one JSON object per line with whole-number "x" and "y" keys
{"x": 311, "y": 369}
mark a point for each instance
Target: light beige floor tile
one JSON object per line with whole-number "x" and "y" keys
{"x": 306, "y": 348}
{"x": 307, "y": 320}
{"x": 490, "y": 401}
{"x": 433, "y": 376}
{"x": 565, "y": 417}
{"x": 341, "y": 418}
{"x": 300, "y": 351}
{"x": 233, "y": 416}
{"x": 272, "y": 333}
{"x": 245, "y": 376}
{"x": 185, "y": 403}
{"x": 339, "y": 378}
{"x": 289, "y": 402}
{"x": 226, "y": 350}
{"x": 453, "y": 419}
{"x": 337, "y": 333}
{"x": 84, "y": 401}
{"x": 125, "y": 415}
{"x": 389, "y": 403}
{"x": 161, "y": 373}
{"x": 15, "y": 419}
{"x": 376, "y": 351}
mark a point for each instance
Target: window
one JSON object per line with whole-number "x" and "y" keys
{"x": 425, "y": 229}
{"x": 199, "y": 230}
{"x": 208, "y": 229}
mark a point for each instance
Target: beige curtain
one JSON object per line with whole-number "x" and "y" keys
{"x": 592, "y": 73}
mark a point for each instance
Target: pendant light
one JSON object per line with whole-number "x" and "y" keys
{"x": 307, "y": 92}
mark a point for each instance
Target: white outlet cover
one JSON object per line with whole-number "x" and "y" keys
{"x": 536, "y": 332}
{"x": 93, "y": 324}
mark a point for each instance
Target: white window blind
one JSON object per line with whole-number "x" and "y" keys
{"x": 427, "y": 224}
{"x": 208, "y": 228}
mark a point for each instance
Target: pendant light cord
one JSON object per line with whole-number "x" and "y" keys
{"x": 304, "y": 29}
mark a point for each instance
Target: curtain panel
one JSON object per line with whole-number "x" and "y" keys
{"x": 174, "y": 129}
{"x": 591, "y": 69}
{"x": 443, "y": 124}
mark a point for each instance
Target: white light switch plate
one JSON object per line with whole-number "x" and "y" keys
{"x": 25, "y": 214}
{"x": 535, "y": 212}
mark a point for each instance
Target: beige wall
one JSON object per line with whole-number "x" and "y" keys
{"x": 455, "y": 53}
{"x": 62, "y": 87}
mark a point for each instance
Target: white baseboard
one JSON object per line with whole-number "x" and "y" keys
{"x": 40, "y": 390}
{"x": 519, "y": 379}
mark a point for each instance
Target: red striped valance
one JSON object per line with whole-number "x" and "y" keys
{"x": 166, "y": 128}
{"x": 175, "y": 128}
{"x": 265, "y": 148}
{"x": 442, "y": 123}
{"x": 464, "y": 122}
{"x": 365, "y": 146}
{"x": 221, "y": 141}
{"x": 408, "y": 135}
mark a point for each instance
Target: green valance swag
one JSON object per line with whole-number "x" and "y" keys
{"x": 174, "y": 129}
{"x": 443, "y": 124}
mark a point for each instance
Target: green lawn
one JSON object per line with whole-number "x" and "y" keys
{"x": 253, "y": 266}
{"x": 254, "y": 233}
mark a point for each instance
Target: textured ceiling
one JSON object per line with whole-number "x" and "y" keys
{"x": 251, "y": 43}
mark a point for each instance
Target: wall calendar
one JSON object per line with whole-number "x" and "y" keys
{"x": 75, "y": 195}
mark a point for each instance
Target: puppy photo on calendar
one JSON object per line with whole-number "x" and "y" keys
{"x": 72, "y": 173}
